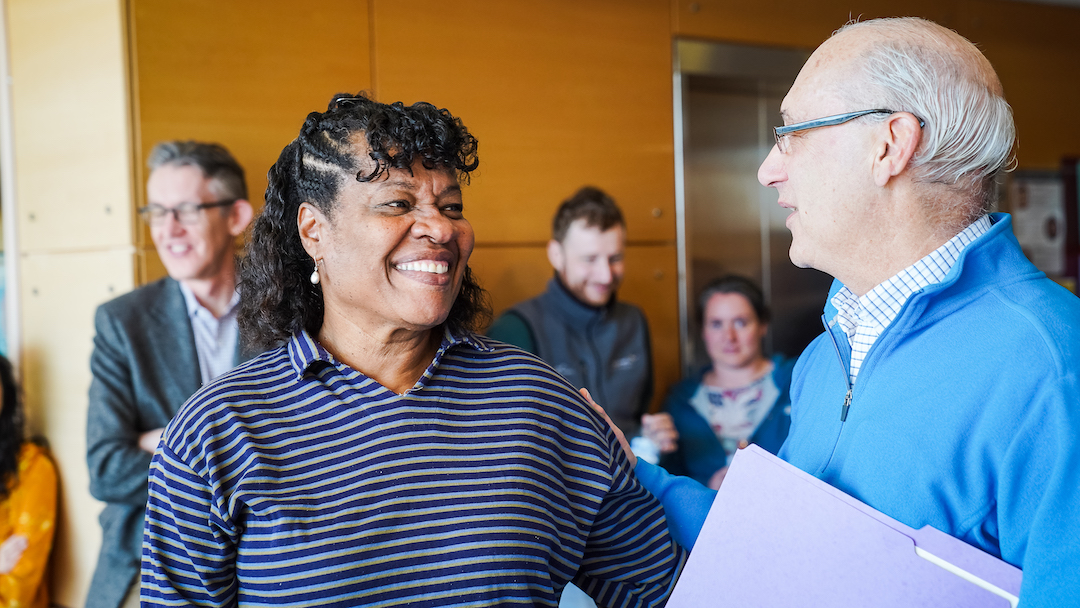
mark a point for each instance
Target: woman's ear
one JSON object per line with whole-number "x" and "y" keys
{"x": 902, "y": 137}
{"x": 310, "y": 223}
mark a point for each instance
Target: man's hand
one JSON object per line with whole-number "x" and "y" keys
{"x": 10, "y": 552}
{"x": 618, "y": 432}
{"x": 149, "y": 440}
{"x": 660, "y": 429}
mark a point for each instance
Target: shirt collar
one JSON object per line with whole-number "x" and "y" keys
{"x": 305, "y": 351}
{"x": 193, "y": 306}
{"x": 880, "y": 305}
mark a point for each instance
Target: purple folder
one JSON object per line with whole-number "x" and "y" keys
{"x": 776, "y": 536}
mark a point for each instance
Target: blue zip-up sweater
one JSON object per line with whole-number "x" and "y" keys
{"x": 965, "y": 416}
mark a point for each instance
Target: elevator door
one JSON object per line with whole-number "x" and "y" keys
{"x": 727, "y": 100}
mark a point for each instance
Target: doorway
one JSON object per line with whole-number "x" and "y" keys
{"x": 727, "y": 99}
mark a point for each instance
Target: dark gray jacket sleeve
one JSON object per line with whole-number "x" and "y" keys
{"x": 118, "y": 468}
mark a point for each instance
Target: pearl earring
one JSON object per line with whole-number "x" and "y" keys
{"x": 314, "y": 278}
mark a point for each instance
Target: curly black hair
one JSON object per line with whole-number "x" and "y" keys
{"x": 11, "y": 428}
{"x": 277, "y": 300}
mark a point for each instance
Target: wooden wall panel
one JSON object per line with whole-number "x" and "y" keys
{"x": 74, "y": 223}
{"x": 244, "y": 73}
{"x": 59, "y": 295}
{"x": 788, "y": 23}
{"x": 510, "y": 274}
{"x": 1036, "y": 52}
{"x": 1033, "y": 47}
{"x": 70, "y": 124}
{"x": 560, "y": 94}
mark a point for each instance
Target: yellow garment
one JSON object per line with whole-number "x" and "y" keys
{"x": 30, "y": 510}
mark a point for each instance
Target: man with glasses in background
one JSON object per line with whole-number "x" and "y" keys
{"x": 945, "y": 389}
{"x": 158, "y": 344}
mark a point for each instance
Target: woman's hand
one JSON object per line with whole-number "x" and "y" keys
{"x": 660, "y": 429}
{"x": 10, "y": 552}
{"x": 618, "y": 432}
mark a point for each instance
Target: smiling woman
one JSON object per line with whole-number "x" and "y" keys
{"x": 363, "y": 153}
{"x": 380, "y": 452}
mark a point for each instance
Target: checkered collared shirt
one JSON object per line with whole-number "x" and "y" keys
{"x": 864, "y": 318}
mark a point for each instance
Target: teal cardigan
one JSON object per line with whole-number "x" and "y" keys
{"x": 700, "y": 453}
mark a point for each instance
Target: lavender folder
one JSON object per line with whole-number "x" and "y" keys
{"x": 778, "y": 537}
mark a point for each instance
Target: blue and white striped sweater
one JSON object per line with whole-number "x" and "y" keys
{"x": 296, "y": 480}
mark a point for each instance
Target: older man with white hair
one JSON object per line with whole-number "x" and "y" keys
{"x": 945, "y": 389}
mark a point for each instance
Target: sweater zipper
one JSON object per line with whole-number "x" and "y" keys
{"x": 847, "y": 375}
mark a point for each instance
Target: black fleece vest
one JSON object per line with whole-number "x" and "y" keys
{"x": 605, "y": 350}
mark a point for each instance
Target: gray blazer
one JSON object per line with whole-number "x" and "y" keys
{"x": 144, "y": 368}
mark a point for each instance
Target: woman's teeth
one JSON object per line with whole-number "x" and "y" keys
{"x": 432, "y": 267}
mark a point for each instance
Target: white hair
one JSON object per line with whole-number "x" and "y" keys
{"x": 939, "y": 76}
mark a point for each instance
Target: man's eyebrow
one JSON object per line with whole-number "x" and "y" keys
{"x": 784, "y": 116}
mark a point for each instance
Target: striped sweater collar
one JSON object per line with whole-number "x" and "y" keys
{"x": 305, "y": 351}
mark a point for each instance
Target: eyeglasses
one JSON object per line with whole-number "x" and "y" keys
{"x": 781, "y": 133}
{"x": 184, "y": 213}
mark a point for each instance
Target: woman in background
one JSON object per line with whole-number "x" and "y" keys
{"x": 27, "y": 505}
{"x": 741, "y": 397}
